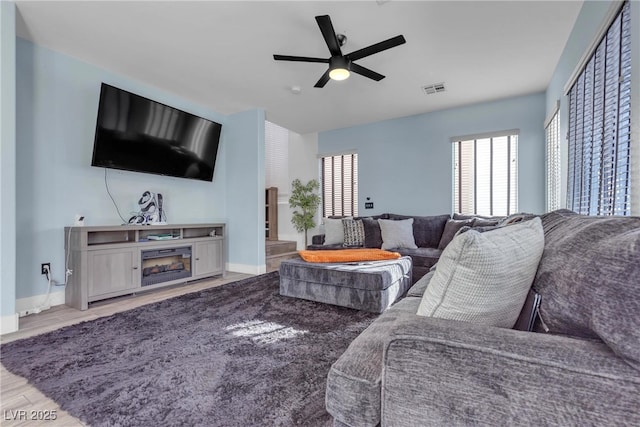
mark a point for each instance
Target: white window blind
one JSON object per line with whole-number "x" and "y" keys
{"x": 276, "y": 157}
{"x": 485, "y": 173}
{"x": 340, "y": 185}
{"x": 552, "y": 151}
{"x": 599, "y": 134}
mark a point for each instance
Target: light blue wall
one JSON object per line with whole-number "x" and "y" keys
{"x": 246, "y": 196}
{"x": 588, "y": 22}
{"x": 57, "y": 101}
{"x": 7, "y": 159}
{"x": 405, "y": 164}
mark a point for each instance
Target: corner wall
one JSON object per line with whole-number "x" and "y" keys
{"x": 405, "y": 165}
{"x": 588, "y": 23}
{"x": 246, "y": 194}
{"x": 8, "y": 316}
{"x": 57, "y": 102}
{"x": 303, "y": 164}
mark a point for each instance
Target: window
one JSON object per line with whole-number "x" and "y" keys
{"x": 552, "y": 150}
{"x": 599, "y": 134}
{"x": 340, "y": 185}
{"x": 276, "y": 154}
{"x": 485, "y": 171}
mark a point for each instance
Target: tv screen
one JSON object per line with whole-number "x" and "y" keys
{"x": 137, "y": 134}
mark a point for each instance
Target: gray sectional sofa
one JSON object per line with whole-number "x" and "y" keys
{"x": 431, "y": 234}
{"x": 580, "y": 367}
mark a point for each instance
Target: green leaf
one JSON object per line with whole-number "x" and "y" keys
{"x": 306, "y": 198}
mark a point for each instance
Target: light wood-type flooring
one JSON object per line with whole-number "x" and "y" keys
{"x": 20, "y": 402}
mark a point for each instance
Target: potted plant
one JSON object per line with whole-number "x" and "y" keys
{"x": 305, "y": 201}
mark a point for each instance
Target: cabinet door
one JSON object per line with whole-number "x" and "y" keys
{"x": 208, "y": 257}
{"x": 112, "y": 271}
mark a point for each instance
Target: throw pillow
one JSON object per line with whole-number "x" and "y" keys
{"x": 426, "y": 229}
{"x": 372, "y": 235}
{"x": 451, "y": 228}
{"x": 353, "y": 233}
{"x": 397, "y": 234}
{"x": 333, "y": 231}
{"x": 485, "y": 277}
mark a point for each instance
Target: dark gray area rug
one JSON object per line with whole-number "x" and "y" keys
{"x": 236, "y": 355}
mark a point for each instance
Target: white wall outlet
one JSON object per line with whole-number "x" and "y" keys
{"x": 78, "y": 220}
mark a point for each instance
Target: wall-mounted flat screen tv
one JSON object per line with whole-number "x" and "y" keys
{"x": 137, "y": 134}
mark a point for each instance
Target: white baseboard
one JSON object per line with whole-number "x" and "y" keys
{"x": 247, "y": 269}
{"x": 8, "y": 324}
{"x": 30, "y": 305}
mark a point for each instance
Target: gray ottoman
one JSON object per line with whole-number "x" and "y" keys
{"x": 370, "y": 286}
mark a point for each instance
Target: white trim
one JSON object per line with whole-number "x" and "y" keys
{"x": 9, "y": 324}
{"x": 634, "y": 8}
{"x": 550, "y": 117}
{"x": 34, "y": 304}
{"x": 485, "y": 135}
{"x": 553, "y": 157}
{"x": 337, "y": 153}
{"x": 615, "y": 7}
{"x": 283, "y": 199}
{"x": 247, "y": 269}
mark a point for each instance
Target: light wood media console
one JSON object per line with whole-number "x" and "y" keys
{"x": 117, "y": 260}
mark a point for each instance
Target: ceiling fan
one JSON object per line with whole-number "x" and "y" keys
{"x": 341, "y": 65}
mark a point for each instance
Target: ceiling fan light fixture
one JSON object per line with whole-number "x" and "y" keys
{"x": 339, "y": 74}
{"x": 339, "y": 67}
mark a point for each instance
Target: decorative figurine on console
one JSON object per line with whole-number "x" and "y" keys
{"x": 151, "y": 211}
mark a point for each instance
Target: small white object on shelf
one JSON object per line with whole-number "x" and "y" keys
{"x": 163, "y": 237}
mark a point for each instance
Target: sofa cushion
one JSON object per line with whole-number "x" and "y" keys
{"x": 323, "y": 247}
{"x": 482, "y": 222}
{"x": 444, "y": 373}
{"x": 426, "y": 229}
{"x": 451, "y": 227}
{"x": 517, "y": 217}
{"x": 353, "y": 233}
{"x": 589, "y": 279}
{"x": 485, "y": 277}
{"x": 353, "y": 382}
{"x": 421, "y": 257}
{"x": 418, "y": 288}
{"x": 397, "y": 233}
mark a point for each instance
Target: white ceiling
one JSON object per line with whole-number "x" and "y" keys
{"x": 219, "y": 54}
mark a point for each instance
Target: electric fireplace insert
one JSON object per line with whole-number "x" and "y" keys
{"x": 165, "y": 265}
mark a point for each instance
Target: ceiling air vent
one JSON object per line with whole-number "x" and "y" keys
{"x": 434, "y": 88}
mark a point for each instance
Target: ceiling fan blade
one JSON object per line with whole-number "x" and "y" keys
{"x": 375, "y": 48}
{"x": 329, "y": 34}
{"x": 323, "y": 80}
{"x": 359, "y": 69}
{"x": 299, "y": 58}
